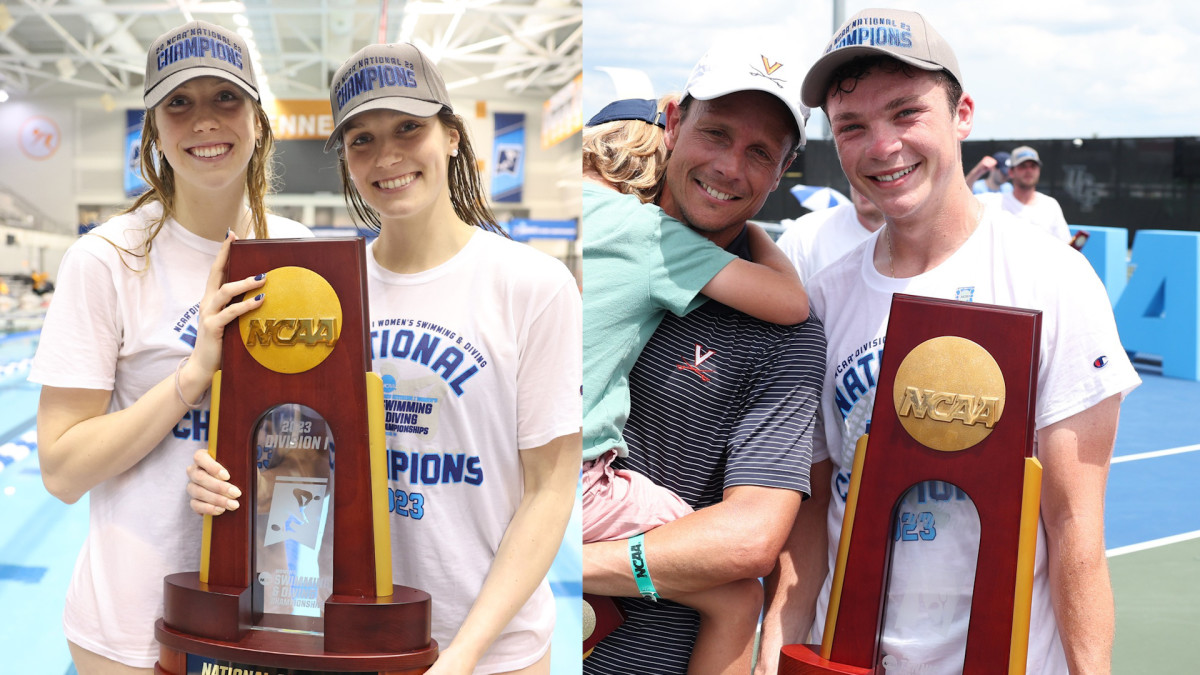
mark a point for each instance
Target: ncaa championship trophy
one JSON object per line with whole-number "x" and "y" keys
{"x": 299, "y": 579}
{"x": 963, "y": 380}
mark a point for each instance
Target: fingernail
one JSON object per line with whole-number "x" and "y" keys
{"x": 233, "y": 505}
{"x": 260, "y": 277}
{"x": 234, "y": 492}
{"x": 258, "y": 297}
{"x": 224, "y": 475}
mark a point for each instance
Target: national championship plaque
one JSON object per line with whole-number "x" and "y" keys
{"x": 297, "y": 581}
{"x": 955, "y": 404}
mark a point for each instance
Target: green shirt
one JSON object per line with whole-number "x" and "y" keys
{"x": 638, "y": 263}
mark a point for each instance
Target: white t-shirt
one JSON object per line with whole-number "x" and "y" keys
{"x": 1005, "y": 262}
{"x": 111, "y": 328}
{"x": 481, "y": 357}
{"x": 816, "y": 239}
{"x": 1043, "y": 212}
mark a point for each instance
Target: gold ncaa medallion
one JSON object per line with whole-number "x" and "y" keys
{"x": 949, "y": 393}
{"x": 298, "y": 323}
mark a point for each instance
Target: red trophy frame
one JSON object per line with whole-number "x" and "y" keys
{"x": 305, "y": 348}
{"x": 955, "y": 403}
{"x": 601, "y": 616}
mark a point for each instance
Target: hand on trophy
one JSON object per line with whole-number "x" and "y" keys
{"x": 217, "y": 309}
{"x": 211, "y": 494}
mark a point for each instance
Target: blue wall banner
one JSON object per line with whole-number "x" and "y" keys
{"x": 524, "y": 229}
{"x": 134, "y": 184}
{"x": 1159, "y": 310}
{"x": 508, "y": 157}
{"x": 1107, "y": 249}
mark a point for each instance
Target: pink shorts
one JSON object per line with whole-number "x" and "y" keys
{"x": 618, "y": 503}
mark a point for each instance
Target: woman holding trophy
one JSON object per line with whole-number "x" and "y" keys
{"x": 483, "y": 465}
{"x": 127, "y": 353}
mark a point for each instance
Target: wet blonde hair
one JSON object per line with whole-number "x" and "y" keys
{"x": 628, "y": 154}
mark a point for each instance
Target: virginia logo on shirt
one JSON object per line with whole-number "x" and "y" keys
{"x": 965, "y": 294}
{"x": 702, "y": 355}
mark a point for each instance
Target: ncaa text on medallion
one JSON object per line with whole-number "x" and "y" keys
{"x": 286, "y": 332}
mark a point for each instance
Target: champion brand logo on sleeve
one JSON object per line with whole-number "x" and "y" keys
{"x": 1100, "y": 362}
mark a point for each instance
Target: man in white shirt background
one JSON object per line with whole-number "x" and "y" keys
{"x": 1025, "y": 201}
{"x": 816, "y": 239}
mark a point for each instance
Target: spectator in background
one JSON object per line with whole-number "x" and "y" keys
{"x": 818, "y": 238}
{"x": 1039, "y": 209}
{"x": 990, "y": 174}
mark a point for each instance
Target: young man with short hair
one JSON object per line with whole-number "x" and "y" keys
{"x": 892, "y": 90}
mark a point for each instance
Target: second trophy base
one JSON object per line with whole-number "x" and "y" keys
{"x": 806, "y": 660}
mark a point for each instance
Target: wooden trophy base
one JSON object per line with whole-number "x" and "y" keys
{"x": 387, "y": 635}
{"x": 806, "y": 660}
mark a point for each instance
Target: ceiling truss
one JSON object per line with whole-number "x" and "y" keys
{"x": 484, "y": 48}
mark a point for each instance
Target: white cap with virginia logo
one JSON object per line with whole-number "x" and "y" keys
{"x": 385, "y": 77}
{"x": 729, "y": 67}
{"x": 197, "y": 49}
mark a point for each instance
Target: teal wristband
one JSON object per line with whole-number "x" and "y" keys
{"x": 637, "y": 562}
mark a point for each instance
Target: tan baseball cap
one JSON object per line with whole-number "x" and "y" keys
{"x": 386, "y": 77}
{"x": 900, "y": 34}
{"x": 197, "y": 49}
{"x": 1025, "y": 154}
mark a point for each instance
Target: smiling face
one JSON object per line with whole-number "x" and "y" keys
{"x": 400, "y": 163}
{"x": 727, "y": 155}
{"x": 898, "y": 142}
{"x": 207, "y": 128}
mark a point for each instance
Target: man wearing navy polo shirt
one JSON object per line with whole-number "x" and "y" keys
{"x": 723, "y": 405}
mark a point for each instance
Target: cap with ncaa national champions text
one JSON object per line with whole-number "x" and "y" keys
{"x": 197, "y": 49}
{"x": 902, "y": 35}
{"x": 386, "y": 77}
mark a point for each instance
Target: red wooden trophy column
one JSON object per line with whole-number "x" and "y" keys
{"x": 308, "y": 346}
{"x": 955, "y": 403}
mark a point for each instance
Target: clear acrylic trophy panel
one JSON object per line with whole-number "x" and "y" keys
{"x": 935, "y": 537}
{"x": 294, "y": 523}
